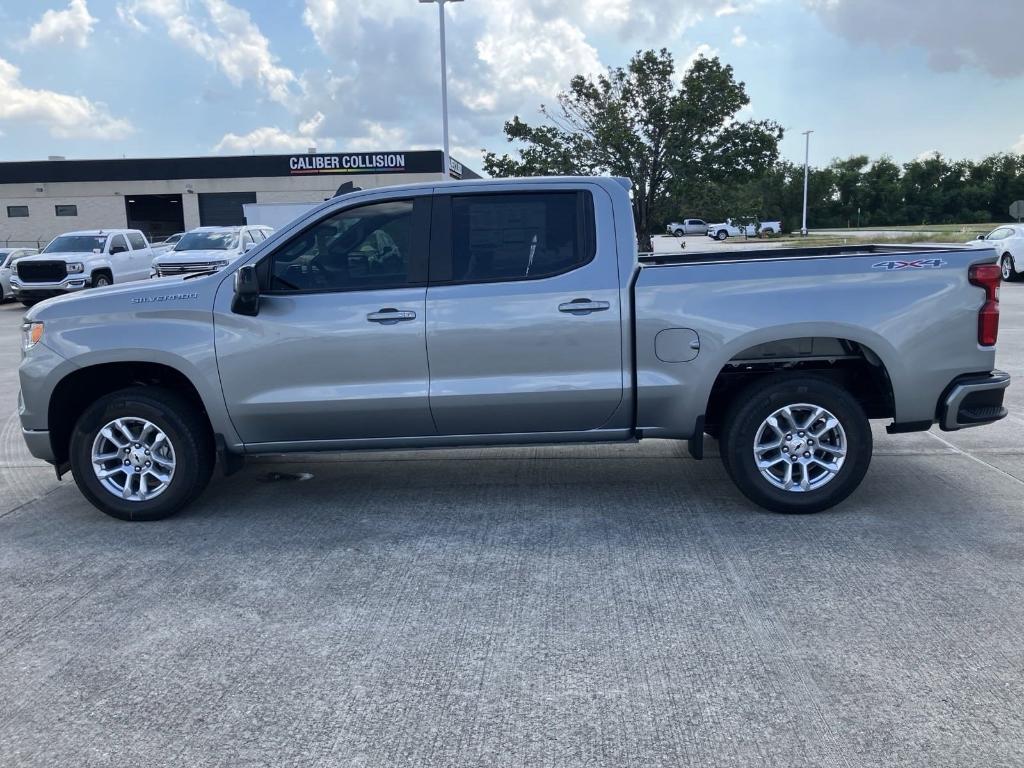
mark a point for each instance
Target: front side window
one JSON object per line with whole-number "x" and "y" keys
{"x": 118, "y": 244}
{"x": 519, "y": 236}
{"x": 364, "y": 248}
{"x": 76, "y": 244}
{"x": 137, "y": 241}
{"x": 999, "y": 234}
{"x": 208, "y": 241}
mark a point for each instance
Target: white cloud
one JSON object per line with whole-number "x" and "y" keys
{"x": 738, "y": 38}
{"x": 63, "y": 115}
{"x": 220, "y": 33}
{"x": 73, "y": 26}
{"x": 928, "y": 154}
{"x": 271, "y": 139}
{"x": 955, "y": 34}
{"x": 1019, "y": 146}
{"x": 704, "y": 50}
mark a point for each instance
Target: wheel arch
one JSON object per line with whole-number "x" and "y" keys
{"x": 854, "y": 363}
{"x": 83, "y": 386}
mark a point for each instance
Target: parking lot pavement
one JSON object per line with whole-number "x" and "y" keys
{"x": 600, "y": 605}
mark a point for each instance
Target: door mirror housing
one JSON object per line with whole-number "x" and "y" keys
{"x": 981, "y": 237}
{"x": 247, "y": 292}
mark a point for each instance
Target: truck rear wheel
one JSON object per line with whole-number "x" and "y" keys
{"x": 796, "y": 444}
{"x": 142, "y": 453}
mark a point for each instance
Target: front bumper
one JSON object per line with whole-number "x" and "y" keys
{"x": 45, "y": 290}
{"x": 38, "y": 442}
{"x": 973, "y": 401}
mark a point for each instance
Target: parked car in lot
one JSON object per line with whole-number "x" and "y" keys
{"x": 208, "y": 248}
{"x": 687, "y": 227}
{"x": 1008, "y": 243}
{"x": 509, "y": 311}
{"x": 166, "y": 245}
{"x": 76, "y": 260}
{"x": 729, "y": 228}
{"x": 7, "y": 257}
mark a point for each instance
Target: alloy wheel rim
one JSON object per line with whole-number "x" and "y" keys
{"x": 133, "y": 459}
{"x": 1006, "y": 269}
{"x": 800, "y": 447}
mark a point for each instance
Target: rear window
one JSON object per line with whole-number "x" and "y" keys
{"x": 520, "y": 236}
{"x": 137, "y": 240}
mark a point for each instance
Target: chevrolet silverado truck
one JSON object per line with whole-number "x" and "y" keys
{"x": 501, "y": 312}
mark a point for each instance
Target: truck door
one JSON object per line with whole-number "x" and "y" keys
{"x": 338, "y": 349}
{"x": 523, "y": 313}
{"x": 120, "y": 259}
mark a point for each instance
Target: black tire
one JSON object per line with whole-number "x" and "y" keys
{"x": 185, "y": 428}
{"x": 678, "y": 233}
{"x": 721, "y": 234}
{"x": 759, "y": 401}
{"x": 29, "y": 302}
{"x": 101, "y": 280}
{"x": 1008, "y": 269}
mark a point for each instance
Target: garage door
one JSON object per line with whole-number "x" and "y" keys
{"x": 223, "y": 209}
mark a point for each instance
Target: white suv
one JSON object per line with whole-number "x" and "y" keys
{"x": 206, "y": 249}
{"x": 75, "y": 260}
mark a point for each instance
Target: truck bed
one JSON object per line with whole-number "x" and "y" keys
{"x": 776, "y": 254}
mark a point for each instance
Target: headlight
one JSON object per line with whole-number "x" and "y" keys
{"x": 75, "y": 267}
{"x": 31, "y": 334}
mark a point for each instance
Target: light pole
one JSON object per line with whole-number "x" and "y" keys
{"x": 807, "y": 155}
{"x": 444, "y": 81}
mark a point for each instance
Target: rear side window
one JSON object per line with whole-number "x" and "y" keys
{"x": 137, "y": 240}
{"x": 523, "y": 236}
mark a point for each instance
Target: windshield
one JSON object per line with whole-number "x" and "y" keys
{"x": 76, "y": 244}
{"x": 207, "y": 241}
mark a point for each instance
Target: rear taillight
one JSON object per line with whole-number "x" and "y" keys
{"x": 987, "y": 276}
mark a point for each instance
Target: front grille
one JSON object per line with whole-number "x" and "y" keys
{"x": 42, "y": 271}
{"x": 166, "y": 270}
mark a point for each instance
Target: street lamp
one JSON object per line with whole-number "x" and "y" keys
{"x": 807, "y": 155}
{"x": 444, "y": 81}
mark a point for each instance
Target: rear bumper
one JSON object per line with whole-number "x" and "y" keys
{"x": 973, "y": 400}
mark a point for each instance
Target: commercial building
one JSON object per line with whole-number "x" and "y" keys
{"x": 160, "y": 196}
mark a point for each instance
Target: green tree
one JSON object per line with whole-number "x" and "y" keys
{"x": 669, "y": 138}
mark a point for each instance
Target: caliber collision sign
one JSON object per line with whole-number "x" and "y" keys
{"x": 359, "y": 162}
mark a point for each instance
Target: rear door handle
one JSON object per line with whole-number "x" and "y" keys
{"x": 583, "y": 306}
{"x": 390, "y": 316}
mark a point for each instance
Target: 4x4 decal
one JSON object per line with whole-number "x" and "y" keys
{"x": 889, "y": 266}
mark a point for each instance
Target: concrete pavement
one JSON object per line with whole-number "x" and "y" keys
{"x": 599, "y": 606}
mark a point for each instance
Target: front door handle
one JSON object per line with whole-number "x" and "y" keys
{"x": 390, "y": 316}
{"x": 583, "y": 306}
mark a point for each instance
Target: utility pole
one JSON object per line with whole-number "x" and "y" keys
{"x": 807, "y": 155}
{"x": 444, "y": 83}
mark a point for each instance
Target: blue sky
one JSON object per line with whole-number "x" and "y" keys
{"x": 137, "y": 78}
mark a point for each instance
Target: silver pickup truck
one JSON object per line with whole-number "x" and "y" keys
{"x": 508, "y": 312}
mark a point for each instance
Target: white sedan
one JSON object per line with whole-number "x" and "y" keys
{"x": 1008, "y": 240}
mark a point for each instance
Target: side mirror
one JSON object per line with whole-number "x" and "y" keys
{"x": 116, "y": 249}
{"x": 981, "y": 237}
{"x": 247, "y": 292}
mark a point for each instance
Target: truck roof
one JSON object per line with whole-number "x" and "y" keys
{"x": 97, "y": 232}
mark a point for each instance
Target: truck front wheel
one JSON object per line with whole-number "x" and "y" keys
{"x": 721, "y": 234}
{"x": 141, "y": 453}
{"x": 796, "y": 444}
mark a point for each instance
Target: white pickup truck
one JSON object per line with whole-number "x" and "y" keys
{"x": 729, "y": 228}
{"x": 76, "y": 260}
